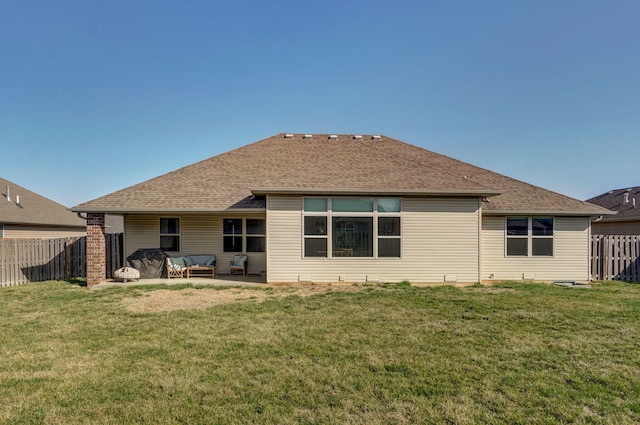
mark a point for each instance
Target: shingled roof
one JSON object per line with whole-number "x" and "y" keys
{"x": 329, "y": 164}
{"x": 625, "y": 201}
{"x": 33, "y": 209}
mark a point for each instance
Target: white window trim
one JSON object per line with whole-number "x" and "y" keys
{"x": 529, "y": 237}
{"x": 329, "y": 214}
{"x": 179, "y": 234}
{"x": 244, "y": 234}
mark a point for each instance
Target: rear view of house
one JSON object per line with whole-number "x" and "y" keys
{"x": 328, "y": 208}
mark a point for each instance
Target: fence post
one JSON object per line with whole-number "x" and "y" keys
{"x": 68, "y": 257}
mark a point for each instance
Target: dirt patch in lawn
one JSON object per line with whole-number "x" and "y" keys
{"x": 190, "y": 298}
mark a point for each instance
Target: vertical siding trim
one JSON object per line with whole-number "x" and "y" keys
{"x": 479, "y": 240}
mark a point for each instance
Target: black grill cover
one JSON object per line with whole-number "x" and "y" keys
{"x": 149, "y": 262}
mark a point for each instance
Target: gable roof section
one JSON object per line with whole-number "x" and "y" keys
{"x": 324, "y": 164}
{"x": 614, "y": 200}
{"x": 33, "y": 209}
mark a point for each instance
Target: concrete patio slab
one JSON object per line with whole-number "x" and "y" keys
{"x": 221, "y": 280}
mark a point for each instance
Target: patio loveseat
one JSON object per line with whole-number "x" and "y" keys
{"x": 188, "y": 265}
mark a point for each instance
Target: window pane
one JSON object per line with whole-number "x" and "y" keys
{"x": 170, "y": 243}
{"x": 315, "y": 247}
{"x": 315, "y": 225}
{"x": 389, "y": 226}
{"x": 352, "y": 236}
{"x": 169, "y": 226}
{"x": 542, "y": 226}
{"x": 232, "y": 226}
{"x": 232, "y": 243}
{"x": 352, "y": 204}
{"x": 517, "y": 246}
{"x": 517, "y": 226}
{"x": 256, "y": 226}
{"x": 255, "y": 243}
{"x": 389, "y": 247}
{"x": 389, "y": 204}
{"x": 315, "y": 204}
{"x": 542, "y": 246}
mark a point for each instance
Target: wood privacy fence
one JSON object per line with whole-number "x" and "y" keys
{"x": 35, "y": 260}
{"x": 615, "y": 257}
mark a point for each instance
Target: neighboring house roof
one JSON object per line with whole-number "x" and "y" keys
{"x": 33, "y": 209}
{"x": 625, "y": 201}
{"x": 326, "y": 164}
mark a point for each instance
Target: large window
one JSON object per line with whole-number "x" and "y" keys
{"x": 352, "y": 227}
{"x": 529, "y": 236}
{"x": 243, "y": 235}
{"x": 256, "y": 231}
{"x": 170, "y": 234}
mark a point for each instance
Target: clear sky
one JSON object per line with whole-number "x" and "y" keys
{"x": 99, "y": 95}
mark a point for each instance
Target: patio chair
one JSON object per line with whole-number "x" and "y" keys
{"x": 239, "y": 263}
{"x": 175, "y": 267}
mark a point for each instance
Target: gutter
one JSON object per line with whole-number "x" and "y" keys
{"x": 377, "y": 192}
{"x": 165, "y": 210}
{"x": 547, "y": 212}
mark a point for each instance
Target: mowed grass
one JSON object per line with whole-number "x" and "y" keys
{"x": 384, "y": 354}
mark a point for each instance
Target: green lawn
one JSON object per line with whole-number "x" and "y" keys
{"x": 382, "y": 354}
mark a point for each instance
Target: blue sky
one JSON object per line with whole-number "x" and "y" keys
{"x": 99, "y": 95}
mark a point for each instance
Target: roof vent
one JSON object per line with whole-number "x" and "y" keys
{"x": 333, "y": 136}
{"x": 357, "y": 136}
{"x": 308, "y": 136}
{"x": 375, "y": 137}
{"x": 625, "y": 198}
{"x": 8, "y": 194}
{"x": 288, "y": 136}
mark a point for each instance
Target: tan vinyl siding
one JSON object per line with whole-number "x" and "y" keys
{"x": 199, "y": 234}
{"x": 41, "y": 232}
{"x": 439, "y": 238}
{"x": 141, "y": 231}
{"x": 616, "y": 228}
{"x": 569, "y": 262}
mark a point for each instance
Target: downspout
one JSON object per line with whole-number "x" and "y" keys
{"x": 479, "y": 240}
{"x": 592, "y": 219}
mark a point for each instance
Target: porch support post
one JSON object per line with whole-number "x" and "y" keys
{"x": 96, "y": 249}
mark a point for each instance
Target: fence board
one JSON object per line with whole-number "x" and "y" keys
{"x": 33, "y": 260}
